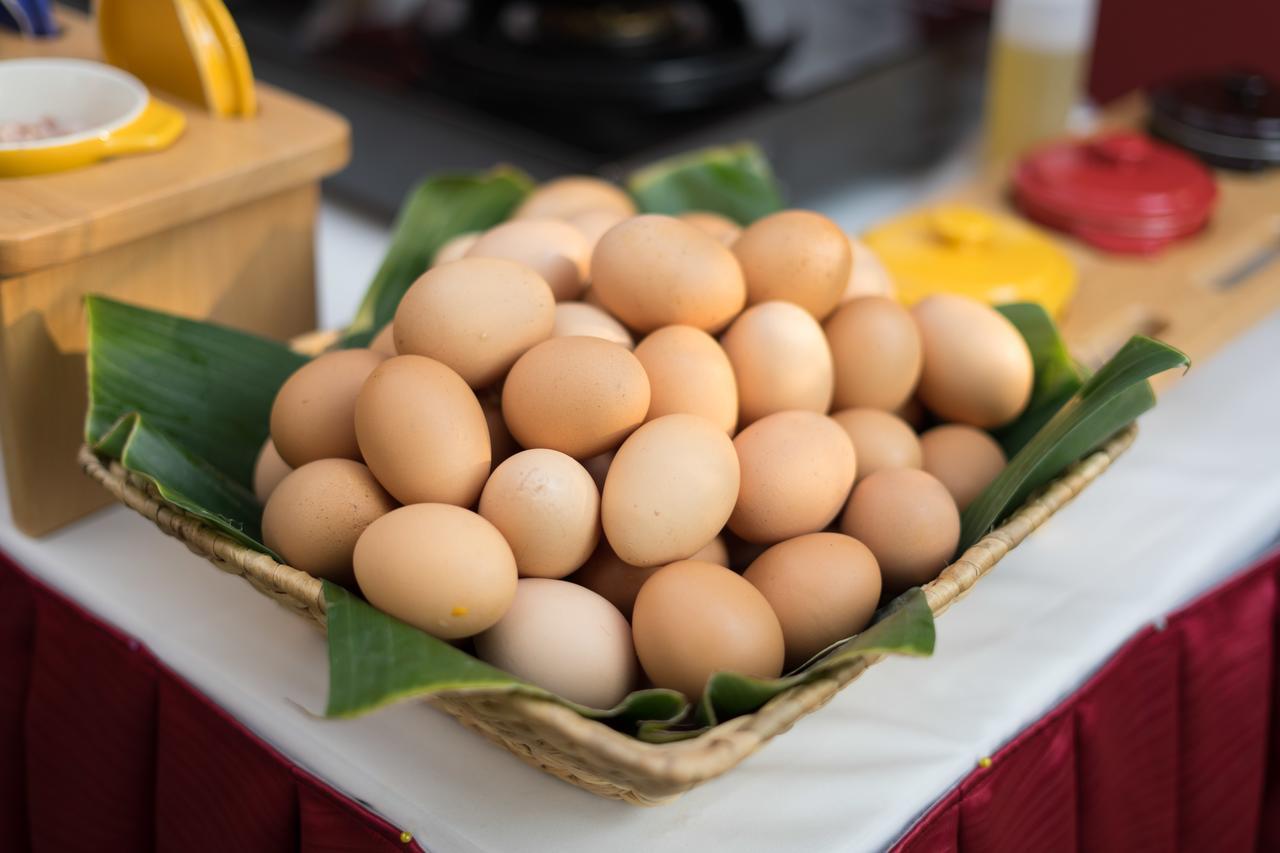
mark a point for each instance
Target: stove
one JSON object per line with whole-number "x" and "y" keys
{"x": 835, "y": 91}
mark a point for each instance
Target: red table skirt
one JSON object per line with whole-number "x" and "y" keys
{"x": 1173, "y": 745}
{"x": 104, "y": 749}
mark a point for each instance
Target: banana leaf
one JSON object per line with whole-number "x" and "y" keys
{"x": 1057, "y": 375}
{"x": 733, "y": 180}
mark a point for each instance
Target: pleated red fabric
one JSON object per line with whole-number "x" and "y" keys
{"x": 1173, "y": 745}
{"x": 103, "y": 748}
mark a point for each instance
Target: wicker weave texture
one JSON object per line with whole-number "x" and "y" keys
{"x": 553, "y": 738}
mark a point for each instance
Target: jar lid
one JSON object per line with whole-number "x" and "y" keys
{"x": 1122, "y": 192}
{"x": 972, "y": 252}
{"x": 1229, "y": 119}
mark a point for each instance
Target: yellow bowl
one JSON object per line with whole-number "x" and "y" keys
{"x": 99, "y": 111}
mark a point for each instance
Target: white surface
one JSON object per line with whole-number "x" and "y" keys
{"x": 1197, "y": 497}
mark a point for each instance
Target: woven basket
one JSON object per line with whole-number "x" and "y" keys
{"x": 549, "y": 736}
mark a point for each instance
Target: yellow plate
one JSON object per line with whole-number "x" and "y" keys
{"x": 106, "y": 113}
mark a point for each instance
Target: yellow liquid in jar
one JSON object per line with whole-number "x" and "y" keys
{"x": 1030, "y": 95}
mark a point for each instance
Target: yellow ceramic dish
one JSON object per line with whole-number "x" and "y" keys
{"x": 972, "y": 252}
{"x": 98, "y": 112}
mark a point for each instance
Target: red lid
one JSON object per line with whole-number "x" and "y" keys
{"x": 1123, "y": 192}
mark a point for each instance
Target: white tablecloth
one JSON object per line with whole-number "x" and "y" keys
{"x": 1196, "y": 498}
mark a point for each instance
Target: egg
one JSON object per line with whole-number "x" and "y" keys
{"x": 313, "y": 416}
{"x": 455, "y": 248}
{"x": 317, "y": 512}
{"x": 875, "y": 348}
{"x": 964, "y": 459}
{"x": 867, "y": 275}
{"x": 823, "y": 587}
{"x": 268, "y": 470}
{"x": 555, "y": 250}
{"x": 501, "y": 444}
{"x": 571, "y": 195}
{"x": 694, "y": 619}
{"x": 440, "y": 568}
{"x": 908, "y": 520}
{"x": 977, "y": 368}
{"x": 422, "y": 432}
{"x": 653, "y": 271}
{"x": 689, "y": 374}
{"x": 581, "y": 396}
{"x": 384, "y": 342}
{"x": 593, "y": 224}
{"x": 578, "y": 319}
{"x": 720, "y": 227}
{"x": 476, "y": 315}
{"x": 880, "y": 439}
{"x": 607, "y": 575}
{"x": 780, "y": 360}
{"x": 669, "y": 491}
{"x": 796, "y": 255}
{"x": 566, "y": 639}
{"x": 715, "y": 551}
{"x": 547, "y": 507}
{"x": 797, "y": 470}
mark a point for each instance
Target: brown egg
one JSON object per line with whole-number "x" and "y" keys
{"x": 722, "y": 228}
{"x": 796, "y": 255}
{"x": 581, "y": 396}
{"x": 589, "y": 297}
{"x": 313, "y": 416}
{"x": 694, "y": 619}
{"x": 797, "y": 470}
{"x": 977, "y": 368}
{"x": 440, "y": 568}
{"x": 385, "y": 341}
{"x": 867, "y": 276}
{"x": 908, "y": 520}
{"x": 653, "y": 271}
{"x": 689, "y": 373}
{"x": 880, "y": 439}
{"x": 594, "y": 223}
{"x": 476, "y": 316}
{"x": 316, "y": 514}
{"x": 423, "y": 433}
{"x": 964, "y": 459}
{"x": 598, "y": 467}
{"x": 547, "y": 507}
{"x": 670, "y": 489}
{"x": 268, "y": 470}
{"x": 607, "y": 575}
{"x": 781, "y": 361}
{"x": 455, "y": 248}
{"x": 580, "y": 320}
{"x": 566, "y": 639}
{"x": 715, "y": 551}
{"x": 876, "y": 350}
{"x": 573, "y": 194}
{"x": 501, "y": 444}
{"x": 823, "y": 587}
{"x": 554, "y": 250}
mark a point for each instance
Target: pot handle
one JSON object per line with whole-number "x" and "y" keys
{"x": 157, "y": 128}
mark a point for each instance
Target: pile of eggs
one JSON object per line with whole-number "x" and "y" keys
{"x": 616, "y": 449}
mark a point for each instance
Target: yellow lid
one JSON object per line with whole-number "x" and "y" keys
{"x": 972, "y": 252}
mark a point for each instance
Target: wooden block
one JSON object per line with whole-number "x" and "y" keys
{"x": 251, "y": 267}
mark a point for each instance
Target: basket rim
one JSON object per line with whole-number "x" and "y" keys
{"x": 680, "y": 763}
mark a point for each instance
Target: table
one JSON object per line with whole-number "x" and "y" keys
{"x": 1196, "y": 499}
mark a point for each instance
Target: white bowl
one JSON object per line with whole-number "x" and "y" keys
{"x": 90, "y": 98}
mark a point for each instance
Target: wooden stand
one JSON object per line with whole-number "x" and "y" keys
{"x": 220, "y": 227}
{"x": 1197, "y": 294}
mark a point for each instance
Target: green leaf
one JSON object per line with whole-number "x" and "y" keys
{"x": 733, "y": 180}
{"x": 437, "y": 210}
{"x": 1057, "y": 374}
{"x": 1110, "y": 400}
{"x": 185, "y": 404}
